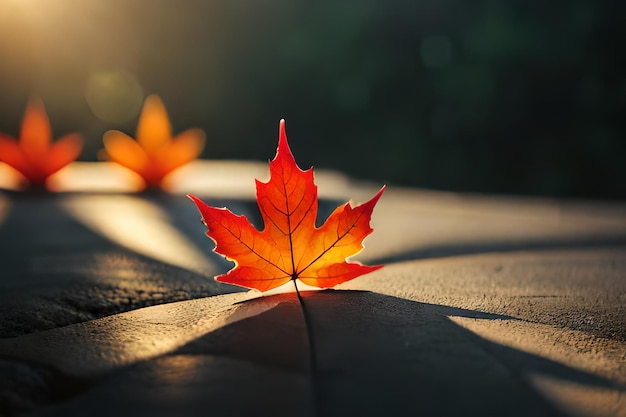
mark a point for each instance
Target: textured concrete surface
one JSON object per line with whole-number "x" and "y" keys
{"x": 488, "y": 305}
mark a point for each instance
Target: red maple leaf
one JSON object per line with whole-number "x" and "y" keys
{"x": 155, "y": 153}
{"x": 34, "y": 155}
{"x": 289, "y": 247}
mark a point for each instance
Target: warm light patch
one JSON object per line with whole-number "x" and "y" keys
{"x": 140, "y": 226}
{"x": 556, "y": 344}
{"x": 106, "y": 344}
{"x": 290, "y": 287}
{"x": 10, "y": 178}
{"x": 94, "y": 177}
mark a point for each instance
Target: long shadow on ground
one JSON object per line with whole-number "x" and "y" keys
{"x": 375, "y": 355}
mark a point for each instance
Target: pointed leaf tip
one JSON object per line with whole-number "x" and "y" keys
{"x": 194, "y": 198}
{"x": 35, "y": 133}
{"x": 379, "y": 193}
{"x": 154, "y": 128}
{"x": 282, "y": 133}
{"x": 283, "y": 145}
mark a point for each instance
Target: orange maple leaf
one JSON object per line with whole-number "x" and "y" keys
{"x": 155, "y": 153}
{"x": 34, "y": 155}
{"x": 289, "y": 247}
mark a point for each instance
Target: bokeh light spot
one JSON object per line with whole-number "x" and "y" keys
{"x": 114, "y": 96}
{"x": 436, "y": 51}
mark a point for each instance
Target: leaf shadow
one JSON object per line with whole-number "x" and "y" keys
{"x": 379, "y": 354}
{"x": 376, "y": 355}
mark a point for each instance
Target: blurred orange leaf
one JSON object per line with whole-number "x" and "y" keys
{"x": 155, "y": 153}
{"x": 290, "y": 247}
{"x": 34, "y": 155}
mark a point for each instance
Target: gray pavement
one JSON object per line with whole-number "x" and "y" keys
{"x": 487, "y": 306}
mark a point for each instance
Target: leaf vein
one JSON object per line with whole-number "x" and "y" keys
{"x": 334, "y": 244}
{"x": 252, "y": 248}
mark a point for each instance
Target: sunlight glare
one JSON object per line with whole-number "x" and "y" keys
{"x": 95, "y": 177}
{"x": 289, "y": 287}
{"x": 140, "y": 226}
{"x": 165, "y": 328}
{"x": 10, "y": 179}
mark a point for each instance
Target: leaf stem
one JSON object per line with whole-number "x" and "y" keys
{"x": 312, "y": 352}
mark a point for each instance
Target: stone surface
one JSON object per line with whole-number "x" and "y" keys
{"x": 488, "y": 305}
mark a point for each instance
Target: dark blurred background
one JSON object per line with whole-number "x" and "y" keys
{"x": 498, "y": 96}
